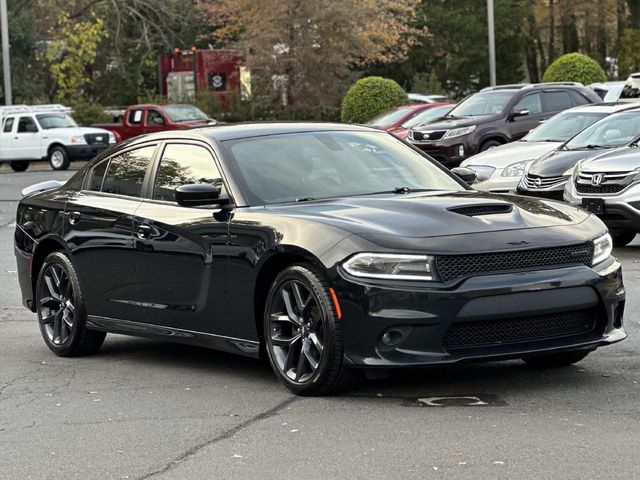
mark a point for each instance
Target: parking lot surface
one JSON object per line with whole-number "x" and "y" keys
{"x": 147, "y": 409}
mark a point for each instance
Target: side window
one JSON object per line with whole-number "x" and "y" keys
{"x": 135, "y": 116}
{"x": 97, "y": 176}
{"x": 577, "y": 98}
{"x": 27, "y": 125}
{"x": 8, "y": 125}
{"x": 182, "y": 164}
{"x": 558, "y": 100}
{"x": 530, "y": 102}
{"x": 126, "y": 172}
{"x": 154, "y": 118}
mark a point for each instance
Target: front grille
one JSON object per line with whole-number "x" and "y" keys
{"x": 473, "y": 210}
{"x": 536, "y": 181}
{"x": 451, "y": 267}
{"x": 483, "y": 172}
{"x": 486, "y": 333}
{"x": 93, "y": 138}
{"x": 595, "y": 189}
{"x": 427, "y": 136}
{"x": 549, "y": 194}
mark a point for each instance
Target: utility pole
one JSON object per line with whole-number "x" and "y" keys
{"x": 492, "y": 43}
{"x": 6, "y": 62}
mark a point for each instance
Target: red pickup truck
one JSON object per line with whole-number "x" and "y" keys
{"x": 149, "y": 118}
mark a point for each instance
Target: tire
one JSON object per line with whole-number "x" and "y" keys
{"x": 622, "y": 238}
{"x": 296, "y": 324}
{"x": 556, "y": 360}
{"x": 19, "y": 165}
{"x": 487, "y": 144}
{"x": 61, "y": 311}
{"x": 58, "y": 158}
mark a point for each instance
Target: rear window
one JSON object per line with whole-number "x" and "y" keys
{"x": 126, "y": 172}
{"x": 8, "y": 125}
{"x": 97, "y": 176}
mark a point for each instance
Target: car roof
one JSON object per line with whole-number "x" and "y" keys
{"x": 221, "y": 133}
{"x": 604, "y": 107}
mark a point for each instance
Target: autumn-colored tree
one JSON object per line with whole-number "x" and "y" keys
{"x": 310, "y": 47}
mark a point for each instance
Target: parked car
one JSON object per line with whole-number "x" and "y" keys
{"x": 631, "y": 90}
{"x": 425, "y": 115}
{"x": 151, "y": 118}
{"x": 428, "y": 98}
{"x": 328, "y": 247}
{"x": 500, "y": 169}
{"x": 548, "y": 175}
{"x": 608, "y": 91}
{"x": 47, "y": 132}
{"x": 608, "y": 185}
{"x": 494, "y": 116}
{"x": 392, "y": 119}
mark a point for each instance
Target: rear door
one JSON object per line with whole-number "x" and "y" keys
{"x": 6, "y": 137}
{"x": 99, "y": 232}
{"x": 555, "y": 101}
{"x": 181, "y": 253}
{"x": 519, "y": 126}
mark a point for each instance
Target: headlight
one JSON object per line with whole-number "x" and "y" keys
{"x": 458, "y": 132}
{"x": 576, "y": 171}
{"x": 515, "y": 169}
{"x": 77, "y": 139}
{"x": 602, "y": 247}
{"x": 391, "y": 266}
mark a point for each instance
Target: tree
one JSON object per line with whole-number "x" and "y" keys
{"x": 629, "y": 53}
{"x": 312, "y": 46}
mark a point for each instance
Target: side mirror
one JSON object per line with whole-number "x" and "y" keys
{"x": 467, "y": 175}
{"x": 197, "y": 194}
{"x": 520, "y": 113}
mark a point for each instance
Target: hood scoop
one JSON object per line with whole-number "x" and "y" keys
{"x": 486, "y": 209}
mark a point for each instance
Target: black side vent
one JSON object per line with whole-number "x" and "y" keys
{"x": 475, "y": 210}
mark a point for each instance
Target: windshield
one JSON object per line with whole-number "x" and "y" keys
{"x": 305, "y": 166}
{"x": 612, "y": 131}
{"x": 483, "y": 103}
{"x": 427, "y": 115}
{"x": 563, "y": 126}
{"x": 55, "y": 120}
{"x": 184, "y": 113}
{"x": 390, "y": 117}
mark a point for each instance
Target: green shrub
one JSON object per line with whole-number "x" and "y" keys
{"x": 86, "y": 112}
{"x": 369, "y": 97}
{"x": 575, "y": 67}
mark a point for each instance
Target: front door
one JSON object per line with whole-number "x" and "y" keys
{"x": 98, "y": 230}
{"x": 181, "y": 253}
{"x": 25, "y": 143}
{"x": 519, "y": 126}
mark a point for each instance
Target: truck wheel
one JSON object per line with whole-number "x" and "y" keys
{"x": 19, "y": 166}
{"x": 622, "y": 238}
{"x": 58, "y": 158}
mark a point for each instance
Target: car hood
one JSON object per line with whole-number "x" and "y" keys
{"x": 556, "y": 162}
{"x": 68, "y": 131}
{"x": 504, "y": 155}
{"x": 622, "y": 159}
{"x": 432, "y": 214}
{"x": 446, "y": 123}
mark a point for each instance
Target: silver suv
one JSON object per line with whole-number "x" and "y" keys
{"x": 609, "y": 186}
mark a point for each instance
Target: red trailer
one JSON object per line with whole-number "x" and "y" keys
{"x": 185, "y": 73}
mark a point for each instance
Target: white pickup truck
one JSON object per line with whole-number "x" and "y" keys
{"x": 47, "y": 132}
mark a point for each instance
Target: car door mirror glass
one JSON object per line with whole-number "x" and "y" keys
{"x": 198, "y": 194}
{"x": 465, "y": 174}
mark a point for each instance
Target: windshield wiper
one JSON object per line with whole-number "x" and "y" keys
{"x": 593, "y": 147}
{"x": 305, "y": 199}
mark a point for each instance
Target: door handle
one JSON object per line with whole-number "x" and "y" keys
{"x": 74, "y": 217}
{"x": 143, "y": 231}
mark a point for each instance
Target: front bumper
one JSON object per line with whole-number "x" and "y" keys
{"x": 621, "y": 211}
{"x": 420, "y": 318}
{"x": 497, "y": 183}
{"x": 449, "y": 152}
{"x": 85, "y": 152}
{"x": 553, "y": 193}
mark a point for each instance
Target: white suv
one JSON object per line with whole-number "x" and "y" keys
{"x": 609, "y": 186}
{"x": 47, "y": 132}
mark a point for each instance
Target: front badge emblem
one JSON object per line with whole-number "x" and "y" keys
{"x": 597, "y": 179}
{"x": 537, "y": 182}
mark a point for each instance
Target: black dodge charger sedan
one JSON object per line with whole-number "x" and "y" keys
{"x": 325, "y": 248}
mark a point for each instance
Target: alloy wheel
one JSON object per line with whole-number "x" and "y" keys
{"x": 56, "y": 304}
{"x": 296, "y": 331}
{"x": 57, "y": 159}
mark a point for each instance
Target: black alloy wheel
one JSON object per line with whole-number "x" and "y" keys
{"x": 303, "y": 334}
{"x": 61, "y": 311}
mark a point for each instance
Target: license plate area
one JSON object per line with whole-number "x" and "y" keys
{"x": 593, "y": 205}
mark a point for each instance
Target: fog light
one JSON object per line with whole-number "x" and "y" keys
{"x": 460, "y": 150}
{"x": 392, "y": 337}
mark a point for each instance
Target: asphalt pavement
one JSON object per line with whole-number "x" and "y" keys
{"x": 148, "y": 409}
